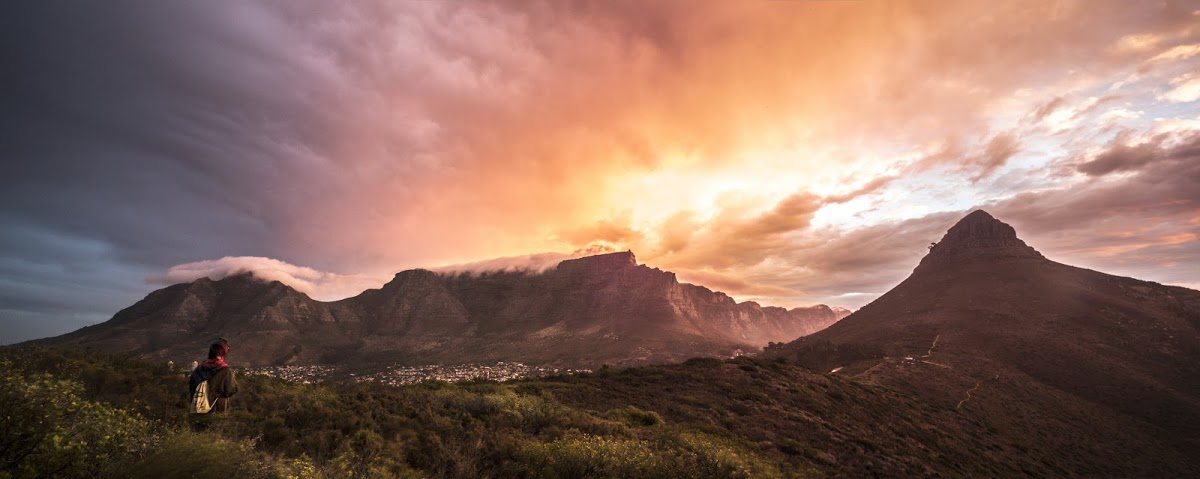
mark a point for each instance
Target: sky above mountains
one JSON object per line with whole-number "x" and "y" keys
{"x": 786, "y": 152}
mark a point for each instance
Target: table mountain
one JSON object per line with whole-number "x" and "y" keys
{"x": 603, "y": 309}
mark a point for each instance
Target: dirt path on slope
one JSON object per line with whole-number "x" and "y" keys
{"x": 973, "y": 389}
{"x": 929, "y": 354}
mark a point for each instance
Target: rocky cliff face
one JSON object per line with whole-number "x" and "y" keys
{"x": 414, "y": 302}
{"x": 613, "y": 294}
{"x": 703, "y": 309}
{"x": 586, "y": 311}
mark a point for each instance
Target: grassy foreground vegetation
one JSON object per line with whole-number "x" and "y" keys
{"x": 85, "y": 414}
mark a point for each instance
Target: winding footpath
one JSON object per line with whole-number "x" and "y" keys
{"x": 973, "y": 389}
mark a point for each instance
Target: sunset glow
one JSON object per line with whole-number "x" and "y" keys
{"x": 790, "y": 153}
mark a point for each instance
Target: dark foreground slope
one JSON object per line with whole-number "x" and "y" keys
{"x": 985, "y": 317}
{"x": 584, "y": 312}
{"x": 704, "y": 418}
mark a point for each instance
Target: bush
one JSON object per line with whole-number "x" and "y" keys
{"x": 51, "y": 431}
{"x": 635, "y": 417}
{"x": 187, "y": 454}
{"x": 704, "y": 362}
{"x": 669, "y": 456}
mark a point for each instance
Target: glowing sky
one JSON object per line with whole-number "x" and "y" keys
{"x": 787, "y": 152}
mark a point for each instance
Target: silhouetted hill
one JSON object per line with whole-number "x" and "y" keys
{"x": 586, "y": 311}
{"x": 986, "y": 313}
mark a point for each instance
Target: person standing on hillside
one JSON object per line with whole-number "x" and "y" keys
{"x": 216, "y": 380}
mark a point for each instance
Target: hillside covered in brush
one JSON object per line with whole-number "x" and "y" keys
{"x": 985, "y": 317}
{"x": 705, "y": 418}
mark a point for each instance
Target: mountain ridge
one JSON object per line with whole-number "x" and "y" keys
{"x": 587, "y": 311}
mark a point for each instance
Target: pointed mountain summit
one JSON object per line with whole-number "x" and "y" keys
{"x": 979, "y": 236}
{"x": 985, "y": 308}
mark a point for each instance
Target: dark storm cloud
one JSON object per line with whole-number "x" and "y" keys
{"x": 131, "y": 139}
{"x": 1119, "y": 156}
{"x": 51, "y": 283}
{"x": 1164, "y": 182}
{"x": 108, "y": 136}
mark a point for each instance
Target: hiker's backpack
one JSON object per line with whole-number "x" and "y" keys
{"x": 199, "y": 382}
{"x": 200, "y": 404}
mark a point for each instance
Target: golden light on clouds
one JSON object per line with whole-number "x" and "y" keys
{"x": 731, "y": 141}
{"x": 789, "y": 152}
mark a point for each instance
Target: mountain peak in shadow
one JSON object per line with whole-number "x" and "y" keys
{"x": 983, "y": 304}
{"x": 979, "y": 236}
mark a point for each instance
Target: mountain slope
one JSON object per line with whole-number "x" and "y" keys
{"x": 984, "y": 310}
{"x": 587, "y": 311}
{"x": 269, "y": 320}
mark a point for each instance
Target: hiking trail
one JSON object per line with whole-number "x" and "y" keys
{"x": 973, "y": 389}
{"x": 929, "y": 354}
{"x": 932, "y": 346}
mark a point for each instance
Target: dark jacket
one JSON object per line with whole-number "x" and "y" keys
{"x": 221, "y": 385}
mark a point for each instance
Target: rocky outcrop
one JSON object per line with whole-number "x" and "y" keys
{"x": 979, "y": 237}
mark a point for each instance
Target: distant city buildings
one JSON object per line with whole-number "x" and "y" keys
{"x": 403, "y": 375}
{"x": 296, "y": 374}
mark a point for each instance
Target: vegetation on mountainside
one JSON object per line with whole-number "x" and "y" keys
{"x": 280, "y": 429}
{"x": 703, "y": 418}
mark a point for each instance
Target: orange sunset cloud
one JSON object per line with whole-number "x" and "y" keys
{"x": 786, "y": 152}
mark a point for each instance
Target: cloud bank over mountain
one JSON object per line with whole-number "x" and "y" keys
{"x": 319, "y": 285}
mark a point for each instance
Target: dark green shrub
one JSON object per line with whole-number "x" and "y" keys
{"x": 51, "y": 431}
{"x": 635, "y": 417}
{"x": 670, "y": 456}
{"x": 704, "y": 362}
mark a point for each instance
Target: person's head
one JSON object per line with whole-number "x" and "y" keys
{"x": 219, "y": 349}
